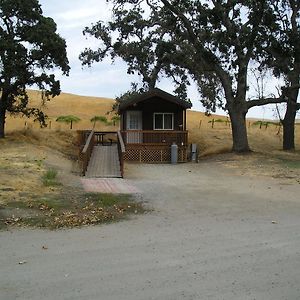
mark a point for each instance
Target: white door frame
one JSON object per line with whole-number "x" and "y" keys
{"x": 134, "y": 121}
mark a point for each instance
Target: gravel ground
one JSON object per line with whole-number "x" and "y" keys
{"x": 213, "y": 234}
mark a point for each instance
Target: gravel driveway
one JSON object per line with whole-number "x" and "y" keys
{"x": 213, "y": 234}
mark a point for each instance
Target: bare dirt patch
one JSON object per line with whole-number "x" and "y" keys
{"x": 276, "y": 164}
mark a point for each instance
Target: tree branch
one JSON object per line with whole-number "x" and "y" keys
{"x": 264, "y": 101}
{"x": 203, "y": 53}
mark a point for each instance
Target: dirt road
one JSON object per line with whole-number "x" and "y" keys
{"x": 213, "y": 234}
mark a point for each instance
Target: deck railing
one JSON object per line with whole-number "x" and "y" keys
{"x": 165, "y": 137}
{"x": 121, "y": 151}
{"x": 86, "y": 152}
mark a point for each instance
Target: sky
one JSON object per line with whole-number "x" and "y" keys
{"x": 102, "y": 79}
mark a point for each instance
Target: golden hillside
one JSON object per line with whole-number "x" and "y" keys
{"x": 210, "y": 140}
{"x": 65, "y": 104}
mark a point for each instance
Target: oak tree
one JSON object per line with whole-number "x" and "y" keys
{"x": 30, "y": 47}
{"x": 281, "y": 53}
{"x": 214, "y": 41}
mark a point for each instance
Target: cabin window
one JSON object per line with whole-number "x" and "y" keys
{"x": 163, "y": 121}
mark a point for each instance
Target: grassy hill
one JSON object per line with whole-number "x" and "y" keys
{"x": 211, "y": 136}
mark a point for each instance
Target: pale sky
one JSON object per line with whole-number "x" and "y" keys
{"x": 102, "y": 79}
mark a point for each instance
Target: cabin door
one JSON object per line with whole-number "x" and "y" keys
{"x": 134, "y": 127}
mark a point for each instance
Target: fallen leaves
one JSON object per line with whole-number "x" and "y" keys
{"x": 73, "y": 211}
{"x": 12, "y": 220}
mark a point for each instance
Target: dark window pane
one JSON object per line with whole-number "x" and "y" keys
{"x": 168, "y": 121}
{"x": 158, "y": 121}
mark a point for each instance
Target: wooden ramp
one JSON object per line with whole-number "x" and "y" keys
{"x": 104, "y": 162}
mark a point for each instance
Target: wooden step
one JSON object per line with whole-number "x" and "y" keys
{"x": 104, "y": 162}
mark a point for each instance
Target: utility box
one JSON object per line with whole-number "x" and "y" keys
{"x": 174, "y": 153}
{"x": 194, "y": 152}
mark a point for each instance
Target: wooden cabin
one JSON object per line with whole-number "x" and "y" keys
{"x": 150, "y": 123}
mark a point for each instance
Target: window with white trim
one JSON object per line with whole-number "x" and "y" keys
{"x": 163, "y": 121}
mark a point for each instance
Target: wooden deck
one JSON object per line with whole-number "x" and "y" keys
{"x": 104, "y": 162}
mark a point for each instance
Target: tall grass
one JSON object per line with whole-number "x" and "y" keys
{"x": 50, "y": 178}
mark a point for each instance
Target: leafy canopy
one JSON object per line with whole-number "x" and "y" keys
{"x": 102, "y": 119}
{"x": 69, "y": 119}
{"x": 136, "y": 38}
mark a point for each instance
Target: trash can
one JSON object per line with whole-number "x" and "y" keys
{"x": 174, "y": 153}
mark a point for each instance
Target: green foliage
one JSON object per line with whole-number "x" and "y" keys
{"x": 100, "y": 119}
{"x": 137, "y": 40}
{"x": 30, "y": 47}
{"x": 217, "y": 121}
{"x": 115, "y": 120}
{"x": 265, "y": 123}
{"x": 49, "y": 178}
{"x": 107, "y": 200}
{"x": 69, "y": 119}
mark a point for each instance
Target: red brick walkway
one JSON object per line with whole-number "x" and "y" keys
{"x": 108, "y": 185}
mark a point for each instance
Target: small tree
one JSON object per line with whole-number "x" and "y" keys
{"x": 101, "y": 119}
{"x": 115, "y": 120}
{"x": 29, "y": 46}
{"x": 70, "y": 119}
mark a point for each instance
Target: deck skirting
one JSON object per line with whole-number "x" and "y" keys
{"x": 153, "y": 153}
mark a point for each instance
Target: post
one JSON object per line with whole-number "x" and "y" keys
{"x": 200, "y": 123}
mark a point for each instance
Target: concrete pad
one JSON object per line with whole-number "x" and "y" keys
{"x": 109, "y": 185}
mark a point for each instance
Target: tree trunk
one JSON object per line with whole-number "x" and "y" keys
{"x": 289, "y": 127}
{"x": 2, "y": 117}
{"x": 290, "y": 114}
{"x": 239, "y": 130}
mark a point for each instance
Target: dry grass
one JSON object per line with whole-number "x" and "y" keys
{"x": 209, "y": 140}
{"x": 29, "y": 152}
{"x": 65, "y": 104}
{"x": 38, "y": 189}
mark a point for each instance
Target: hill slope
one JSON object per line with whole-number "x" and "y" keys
{"x": 211, "y": 138}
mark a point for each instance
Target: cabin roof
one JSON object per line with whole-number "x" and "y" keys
{"x": 156, "y": 92}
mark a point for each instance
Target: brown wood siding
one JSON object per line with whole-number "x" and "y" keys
{"x": 152, "y": 105}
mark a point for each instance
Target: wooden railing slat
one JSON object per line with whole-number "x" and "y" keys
{"x": 155, "y": 137}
